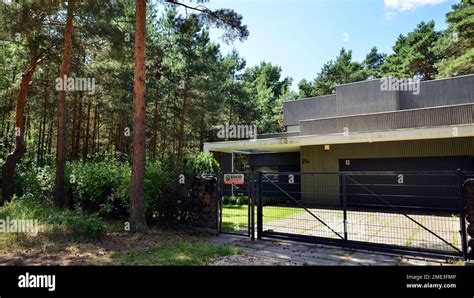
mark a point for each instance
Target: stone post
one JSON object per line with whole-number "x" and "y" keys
{"x": 205, "y": 198}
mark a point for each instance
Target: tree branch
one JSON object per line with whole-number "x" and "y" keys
{"x": 206, "y": 11}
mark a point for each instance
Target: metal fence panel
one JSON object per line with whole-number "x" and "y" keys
{"x": 418, "y": 211}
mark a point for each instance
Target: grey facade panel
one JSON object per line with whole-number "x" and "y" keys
{"x": 444, "y": 92}
{"x": 278, "y": 135}
{"x": 316, "y": 159}
{"x": 365, "y": 97}
{"x": 369, "y": 97}
{"x": 427, "y": 117}
{"x": 224, "y": 159}
{"x": 310, "y": 108}
{"x": 275, "y": 159}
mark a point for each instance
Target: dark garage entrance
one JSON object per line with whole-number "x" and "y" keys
{"x": 405, "y": 188}
{"x": 447, "y": 163}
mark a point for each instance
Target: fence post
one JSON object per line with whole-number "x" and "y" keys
{"x": 462, "y": 213}
{"x": 252, "y": 204}
{"x": 344, "y": 202}
{"x": 259, "y": 206}
{"x": 468, "y": 187}
{"x": 220, "y": 181}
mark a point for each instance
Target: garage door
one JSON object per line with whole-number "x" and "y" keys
{"x": 406, "y": 188}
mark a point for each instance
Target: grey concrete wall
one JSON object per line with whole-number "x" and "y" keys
{"x": 450, "y": 91}
{"x": 309, "y": 108}
{"x": 365, "y": 97}
{"x": 426, "y": 117}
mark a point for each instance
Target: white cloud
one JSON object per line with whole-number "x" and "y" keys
{"x": 404, "y": 5}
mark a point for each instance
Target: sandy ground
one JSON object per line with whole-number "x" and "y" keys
{"x": 55, "y": 250}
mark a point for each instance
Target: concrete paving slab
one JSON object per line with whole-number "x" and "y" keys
{"x": 285, "y": 252}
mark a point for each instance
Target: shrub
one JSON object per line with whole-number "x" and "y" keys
{"x": 235, "y": 200}
{"x": 100, "y": 187}
{"x": 159, "y": 199}
{"x": 80, "y": 224}
{"x": 75, "y": 222}
{"x": 30, "y": 179}
{"x": 204, "y": 164}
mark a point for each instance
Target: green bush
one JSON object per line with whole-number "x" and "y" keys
{"x": 100, "y": 187}
{"x": 158, "y": 192}
{"x": 235, "y": 200}
{"x": 32, "y": 180}
{"x": 75, "y": 222}
{"x": 80, "y": 224}
{"x": 204, "y": 164}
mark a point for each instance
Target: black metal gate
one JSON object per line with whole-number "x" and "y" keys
{"x": 405, "y": 212}
{"x": 236, "y": 204}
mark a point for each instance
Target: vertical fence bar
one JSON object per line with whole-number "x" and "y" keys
{"x": 259, "y": 206}
{"x": 252, "y": 205}
{"x": 344, "y": 203}
{"x": 462, "y": 213}
{"x": 218, "y": 198}
{"x": 220, "y": 182}
{"x": 248, "y": 178}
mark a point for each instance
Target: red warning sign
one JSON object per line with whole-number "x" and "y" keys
{"x": 234, "y": 179}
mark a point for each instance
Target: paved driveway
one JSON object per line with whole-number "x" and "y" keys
{"x": 375, "y": 227}
{"x": 265, "y": 252}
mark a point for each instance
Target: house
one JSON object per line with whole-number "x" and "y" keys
{"x": 375, "y": 125}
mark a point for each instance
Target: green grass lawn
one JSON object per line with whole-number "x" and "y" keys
{"x": 236, "y": 217}
{"x": 172, "y": 254}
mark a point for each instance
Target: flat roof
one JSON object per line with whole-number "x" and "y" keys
{"x": 293, "y": 144}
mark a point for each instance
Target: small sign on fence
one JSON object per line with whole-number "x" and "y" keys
{"x": 234, "y": 179}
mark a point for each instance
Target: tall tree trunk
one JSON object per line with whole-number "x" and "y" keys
{"x": 8, "y": 145}
{"x": 85, "y": 148}
{"x": 154, "y": 139}
{"x": 3, "y": 123}
{"x": 98, "y": 131}
{"x": 163, "y": 131}
{"x": 77, "y": 136}
{"x": 94, "y": 131}
{"x": 50, "y": 136}
{"x": 136, "y": 191}
{"x": 118, "y": 139}
{"x": 8, "y": 168}
{"x": 42, "y": 128}
{"x": 43, "y": 136}
{"x": 61, "y": 145}
{"x": 75, "y": 119}
{"x": 27, "y": 128}
{"x": 184, "y": 112}
{"x": 202, "y": 127}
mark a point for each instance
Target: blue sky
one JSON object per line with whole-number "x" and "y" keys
{"x": 301, "y": 35}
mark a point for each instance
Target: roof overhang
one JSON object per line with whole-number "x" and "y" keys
{"x": 293, "y": 144}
